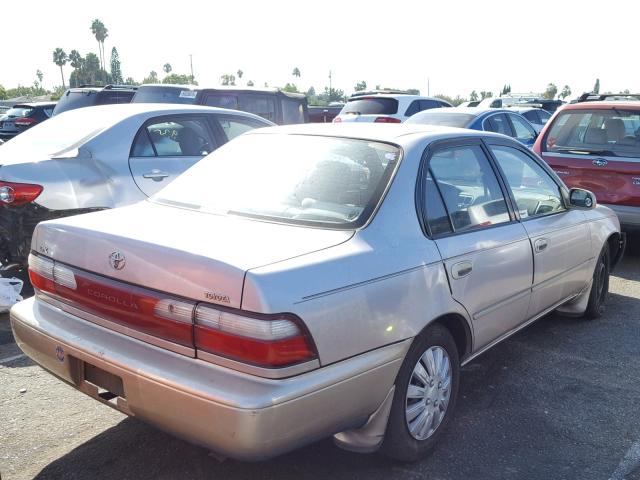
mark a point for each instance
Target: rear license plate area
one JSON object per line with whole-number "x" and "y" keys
{"x": 109, "y": 386}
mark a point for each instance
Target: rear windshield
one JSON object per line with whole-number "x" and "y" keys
{"x": 614, "y": 132}
{"x": 259, "y": 104}
{"x": 371, "y": 106}
{"x": 78, "y": 99}
{"x": 447, "y": 119}
{"x": 60, "y": 133}
{"x": 19, "y": 112}
{"x": 164, "y": 95}
{"x": 299, "y": 179}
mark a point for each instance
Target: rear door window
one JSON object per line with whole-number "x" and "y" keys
{"x": 178, "y": 137}
{"x": 222, "y": 101}
{"x": 292, "y": 111}
{"x": 532, "y": 116}
{"x": 499, "y": 124}
{"x": 372, "y": 106}
{"x": 413, "y": 108}
{"x": 262, "y": 105}
{"x": 234, "y": 126}
{"x": 428, "y": 104}
{"x": 522, "y": 130}
{"x": 614, "y": 132}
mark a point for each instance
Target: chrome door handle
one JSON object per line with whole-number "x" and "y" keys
{"x": 541, "y": 245}
{"x": 155, "y": 175}
{"x": 461, "y": 269}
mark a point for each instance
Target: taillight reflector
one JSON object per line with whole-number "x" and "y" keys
{"x": 25, "y": 122}
{"x": 16, "y": 194}
{"x": 387, "y": 120}
{"x": 266, "y": 341}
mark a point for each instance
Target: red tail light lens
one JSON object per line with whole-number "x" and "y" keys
{"x": 25, "y": 122}
{"x": 266, "y": 341}
{"x": 16, "y": 194}
{"x": 387, "y": 120}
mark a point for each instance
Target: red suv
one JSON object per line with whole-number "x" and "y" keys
{"x": 596, "y": 145}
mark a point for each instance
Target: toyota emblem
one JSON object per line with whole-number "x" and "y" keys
{"x": 117, "y": 260}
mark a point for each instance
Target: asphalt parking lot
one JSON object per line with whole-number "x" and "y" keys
{"x": 559, "y": 400}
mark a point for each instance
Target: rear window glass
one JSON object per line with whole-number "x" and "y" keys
{"x": 299, "y": 179}
{"x": 371, "y": 106}
{"x": 292, "y": 112}
{"x": 262, "y": 105}
{"x": 164, "y": 95}
{"x": 113, "y": 96}
{"x": 75, "y": 99}
{"x": 19, "y": 112}
{"x": 447, "y": 119}
{"x": 614, "y": 132}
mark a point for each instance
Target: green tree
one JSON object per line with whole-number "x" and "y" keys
{"x": 228, "y": 79}
{"x": 75, "y": 59}
{"x": 360, "y": 86}
{"x": 250, "y": 83}
{"x": 413, "y": 91}
{"x": 101, "y": 33}
{"x": 179, "y": 79}
{"x": 152, "y": 78}
{"x": 485, "y": 94}
{"x": 550, "y": 92}
{"x": 473, "y": 96}
{"x": 40, "y": 76}
{"x": 60, "y": 58}
{"x": 596, "y": 87}
{"x": 3, "y": 93}
{"x": 130, "y": 81}
{"x": 331, "y": 95}
{"x": 167, "y": 68}
{"x": 116, "y": 68}
{"x": 239, "y": 73}
{"x": 296, "y": 72}
{"x": 453, "y": 101}
{"x": 566, "y": 91}
{"x": 506, "y": 89}
{"x": 57, "y": 92}
{"x": 291, "y": 88}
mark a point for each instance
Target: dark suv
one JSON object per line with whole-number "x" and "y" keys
{"x": 23, "y": 116}
{"x": 280, "y": 107}
{"x": 91, "y": 95}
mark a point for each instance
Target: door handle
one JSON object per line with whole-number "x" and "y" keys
{"x": 461, "y": 269}
{"x": 541, "y": 245}
{"x": 155, "y": 175}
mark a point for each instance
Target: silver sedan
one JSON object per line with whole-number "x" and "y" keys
{"x": 308, "y": 281}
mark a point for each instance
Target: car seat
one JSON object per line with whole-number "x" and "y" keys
{"x": 191, "y": 144}
{"x": 615, "y": 129}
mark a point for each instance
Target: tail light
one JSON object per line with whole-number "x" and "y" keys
{"x": 25, "y": 122}
{"x": 16, "y": 194}
{"x": 387, "y": 120}
{"x": 337, "y": 120}
{"x": 263, "y": 340}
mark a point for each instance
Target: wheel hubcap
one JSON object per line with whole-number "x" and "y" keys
{"x": 428, "y": 393}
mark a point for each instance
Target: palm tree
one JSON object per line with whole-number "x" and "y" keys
{"x": 167, "y": 68}
{"x": 240, "y": 73}
{"x": 101, "y": 33}
{"x": 296, "y": 72}
{"x": 75, "y": 59}
{"x": 60, "y": 58}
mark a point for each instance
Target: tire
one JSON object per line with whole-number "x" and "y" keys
{"x": 600, "y": 287}
{"x": 409, "y": 439}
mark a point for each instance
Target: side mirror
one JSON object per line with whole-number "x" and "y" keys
{"x": 580, "y": 198}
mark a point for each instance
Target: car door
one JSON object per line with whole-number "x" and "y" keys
{"x": 166, "y": 146}
{"x": 486, "y": 252}
{"x": 559, "y": 236}
{"x": 522, "y": 129}
{"x": 498, "y": 123}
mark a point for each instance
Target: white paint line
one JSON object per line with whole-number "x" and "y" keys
{"x": 11, "y": 359}
{"x": 629, "y": 463}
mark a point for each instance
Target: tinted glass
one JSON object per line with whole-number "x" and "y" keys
{"x": 532, "y": 116}
{"x": 427, "y": 104}
{"x": 544, "y": 116}
{"x": 180, "y": 138}
{"x": 523, "y": 131}
{"x": 534, "y": 190}
{"x": 19, "y": 112}
{"x": 109, "y": 97}
{"x": 447, "y": 119}
{"x": 292, "y": 111}
{"x": 413, "y": 108}
{"x": 262, "y": 105}
{"x": 222, "y": 101}
{"x": 234, "y": 126}
{"x": 499, "y": 124}
{"x": 614, "y": 132}
{"x": 372, "y": 106}
{"x": 469, "y": 187}
{"x": 75, "y": 99}
{"x": 289, "y": 178}
{"x": 164, "y": 95}
{"x": 142, "y": 145}
{"x": 437, "y": 218}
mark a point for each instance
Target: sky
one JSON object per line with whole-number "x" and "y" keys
{"x": 447, "y": 47}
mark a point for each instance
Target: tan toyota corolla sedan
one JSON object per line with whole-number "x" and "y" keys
{"x": 317, "y": 280}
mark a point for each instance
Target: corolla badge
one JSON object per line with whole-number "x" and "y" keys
{"x": 117, "y": 260}
{"x": 600, "y": 162}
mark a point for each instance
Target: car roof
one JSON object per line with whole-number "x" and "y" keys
{"x": 594, "y": 105}
{"x": 120, "y": 111}
{"x": 33, "y": 104}
{"x": 393, "y": 95}
{"x": 400, "y": 133}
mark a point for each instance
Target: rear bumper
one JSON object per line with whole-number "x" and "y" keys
{"x": 235, "y": 414}
{"x": 629, "y": 216}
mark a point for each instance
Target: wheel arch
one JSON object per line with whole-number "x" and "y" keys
{"x": 460, "y": 330}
